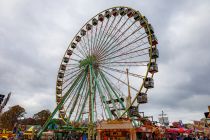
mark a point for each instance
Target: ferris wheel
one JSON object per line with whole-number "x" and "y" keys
{"x": 107, "y": 68}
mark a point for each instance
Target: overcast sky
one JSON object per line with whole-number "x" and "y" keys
{"x": 35, "y": 34}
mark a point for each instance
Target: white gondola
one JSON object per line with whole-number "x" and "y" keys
{"x": 78, "y": 38}
{"x": 69, "y": 52}
{"x": 122, "y": 11}
{"x": 59, "y": 83}
{"x": 137, "y": 16}
{"x": 143, "y": 21}
{"x": 65, "y": 59}
{"x": 107, "y": 14}
{"x": 115, "y": 12}
{"x": 155, "y": 53}
{"x": 130, "y": 13}
{"x": 153, "y": 40}
{"x": 88, "y": 26}
{"x": 94, "y": 22}
{"x": 63, "y": 67}
{"x": 58, "y": 90}
{"x": 150, "y": 29}
{"x": 60, "y": 75}
{"x": 142, "y": 98}
{"x": 82, "y": 32}
{"x": 73, "y": 45}
{"x": 149, "y": 83}
{"x": 153, "y": 67}
{"x": 101, "y": 17}
{"x": 133, "y": 111}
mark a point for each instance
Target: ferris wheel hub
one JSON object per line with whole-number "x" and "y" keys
{"x": 89, "y": 60}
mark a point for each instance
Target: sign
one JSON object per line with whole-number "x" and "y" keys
{"x": 7, "y": 99}
{"x": 199, "y": 125}
{"x": 207, "y": 114}
{"x": 1, "y": 98}
{"x": 164, "y": 120}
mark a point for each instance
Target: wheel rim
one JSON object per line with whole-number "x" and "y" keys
{"x": 92, "y": 74}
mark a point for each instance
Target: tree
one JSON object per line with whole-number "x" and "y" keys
{"x": 10, "y": 117}
{"x": 28, "y": 121}
{"x": 41, "y": 117}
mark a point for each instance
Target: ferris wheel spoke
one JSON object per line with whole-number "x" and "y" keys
{"x": 74, "y": 76}
{"x": 115, "y": 27}
{"x": 91, "y": 42}
{"x": 113, "y": 102}
{"x": 79, "y": 50}
{"x": 120, "y": 49}
{"x": 125, "y": 56}
{"x": 114, "y": 48}
{"x": 131, "y": 57}
{"x": 109, "y": 91}
{"x": 70, "y": 98}
{"x": 105, "y": 50}
{"x": 106, "y": 34}
{"x": 111, "y": 85}
{"x": 67, "y": 93}
{"x": 118, "y": 31}
{"x": 79, "y": 106}
{"x": 70, "y": 69}
{"x": 97, "y": 37}
{"x": 110, "y": 38}
{"x": 76, "y": 60}
{"x": 124, "y": 72}
{"x": 102, "y": 97}
{"x": 78, "y": 55}
{"x": 69, "y": 80}
{"x": 119, "y": 80}
{"x": 78, "y": 94}
{"x": 125, "y": 63}
{"x": 88, "y": 42}
{"x": 85, "y": 46}
{"x": 69, "y": 72}
{"x": 100, "y": 39}
{"x": 73, "y": 66}
{"x": 131, "y": 45}
{"x": 83, "y": 106}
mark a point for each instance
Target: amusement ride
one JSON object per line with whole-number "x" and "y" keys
{"x": 106, "y": 71}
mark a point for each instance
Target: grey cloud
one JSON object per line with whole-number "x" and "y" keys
{"x": 35, "y": 34}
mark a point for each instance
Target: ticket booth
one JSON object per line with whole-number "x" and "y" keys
{"x": 116, "y": 130}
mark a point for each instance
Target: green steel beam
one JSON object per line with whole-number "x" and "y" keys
{"x": 92, "y": 94}
{"x": 110, "y": 96}
{"x": 80, "y": 107}
{"x": 103, "y": 98}
{"x": 121, "y": 102}
{"x": 57, "y": 107}
{"x": 78, "y": 94}
{"x": 83, "y": 106}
